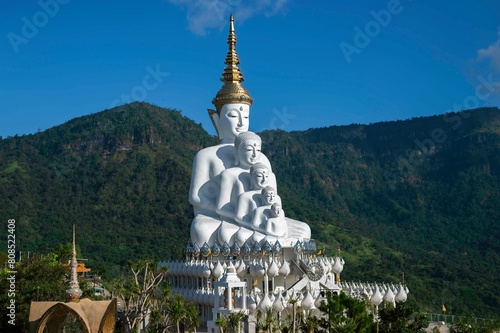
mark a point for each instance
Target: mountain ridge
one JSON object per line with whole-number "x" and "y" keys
{"x": 392, "y": 205}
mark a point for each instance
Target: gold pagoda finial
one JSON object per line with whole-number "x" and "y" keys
{"x": 232, "y": 91}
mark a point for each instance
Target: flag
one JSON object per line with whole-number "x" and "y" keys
{"x": 443, "y": 308}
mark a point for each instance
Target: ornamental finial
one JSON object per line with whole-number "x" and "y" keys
{"x": 232, "y": 91}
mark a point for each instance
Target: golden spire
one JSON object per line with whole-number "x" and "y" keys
{"x": 232, "y": 91}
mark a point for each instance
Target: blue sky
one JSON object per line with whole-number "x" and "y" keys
{"x": 306, "y": 63}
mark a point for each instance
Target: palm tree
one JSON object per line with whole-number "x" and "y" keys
{"x": 222, "y": 322}
{"x": 346, "y": 314}
{"x": 177, "y": 311}
{"x": 192, "y": 316}
{"x": 234, "y": 319}
{"x": 310, "y": 323}
{"x": 294, "y": 313}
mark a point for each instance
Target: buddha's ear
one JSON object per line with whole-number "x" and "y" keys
{"x": 214, "y": 117}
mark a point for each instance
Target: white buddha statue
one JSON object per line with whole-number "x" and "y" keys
{"x": 276, "y": 224}
{"x": 230, "y": 118}
{"x": 215, "y": 197}
{"x": 236, "y": 180}
{"x": 248, "y": 201}
{"x": 263, "y": 212}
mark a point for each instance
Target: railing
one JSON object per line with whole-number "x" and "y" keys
{"x": 448, "y": 319}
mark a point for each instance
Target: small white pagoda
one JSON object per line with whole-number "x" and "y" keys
{"x": 245, "y": 254}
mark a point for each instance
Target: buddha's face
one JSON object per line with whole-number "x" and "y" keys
{"x": 269, "y": 197}
{"x": 276, "y": 209}
{"x": 249, "y": 153}
{"x": 233, "y": 119}
{"x": 260, "y": 178}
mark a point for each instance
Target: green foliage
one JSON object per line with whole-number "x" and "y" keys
{"x": 139, "y": 294}
{"x": 192, "y": 316}
{"x": 64, "y": 252}
{"x": 39, "y": 278}
{"x": 395, "y": 196}
{"x": 401, "y": 319}
{"x": 470, "y": 324}
{"x": 234, "y": 320}
{"x": 231, "y": 322}
{"x": 176, "y": 311}
{"x": 311, "y": 324}
{"x": 345, "y": 314}
{"x": 223, "y": 323}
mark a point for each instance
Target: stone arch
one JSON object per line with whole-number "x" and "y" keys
{"x": 54, "y": 316}
{"x": 108, "y": 320}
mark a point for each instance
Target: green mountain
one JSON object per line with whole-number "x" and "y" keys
{"x": 420, "y": 196}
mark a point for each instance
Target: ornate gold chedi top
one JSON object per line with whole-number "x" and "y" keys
{"x": 232, "y": 91}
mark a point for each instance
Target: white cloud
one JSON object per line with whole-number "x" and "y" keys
{"x": 492, "y": 53}
{"x": 207, "y": 14}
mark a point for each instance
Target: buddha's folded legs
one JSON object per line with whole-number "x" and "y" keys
{"x": 203, "y": 230}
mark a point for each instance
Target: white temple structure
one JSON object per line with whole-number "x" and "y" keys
{"x": 245, "y": 254}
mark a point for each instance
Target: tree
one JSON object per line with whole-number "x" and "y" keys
{"x": 177, "y": 311}
{"x": 234, "y": 320}
{"x": 64, "y": 252}
{"x": 470, "y": 324}
{"x": 140, "y": 293}
{"x": 345, "y": 314}
{"x": 39, "y": 278}
{"x": 266, "y": 321}
{"x": 310, "y": 323}
{"x": 401, "y": 319}
{"x": 294, "y": 302}
{"x": 222, "y": 323}
{"x": 192, "y": 317}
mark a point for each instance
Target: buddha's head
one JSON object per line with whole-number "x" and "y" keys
{"x": 276, "y": 210}
{"x": 231, "y": 120}
{"x": 232, "y": 102}
{"x": 247, "y": 147}
{"x": 259, "y": 173}
{"x": 268, "y": 195}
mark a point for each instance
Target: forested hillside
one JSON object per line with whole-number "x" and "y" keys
{"x": 420, "y": 196}
{"x": 121, "y": 176}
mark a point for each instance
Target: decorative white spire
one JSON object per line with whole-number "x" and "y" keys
{"x": 74, "y": 292}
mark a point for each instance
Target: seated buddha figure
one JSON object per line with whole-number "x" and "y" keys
{"x": 276, "y": 224}
{"x": 248, "y": 201}
{"x": 208, "y": 164}
{"x": 230, "y": 118}
{"x": 263, "y": 212}
{"x": 207, "y": 193}
{"x": 237, "y": 180}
